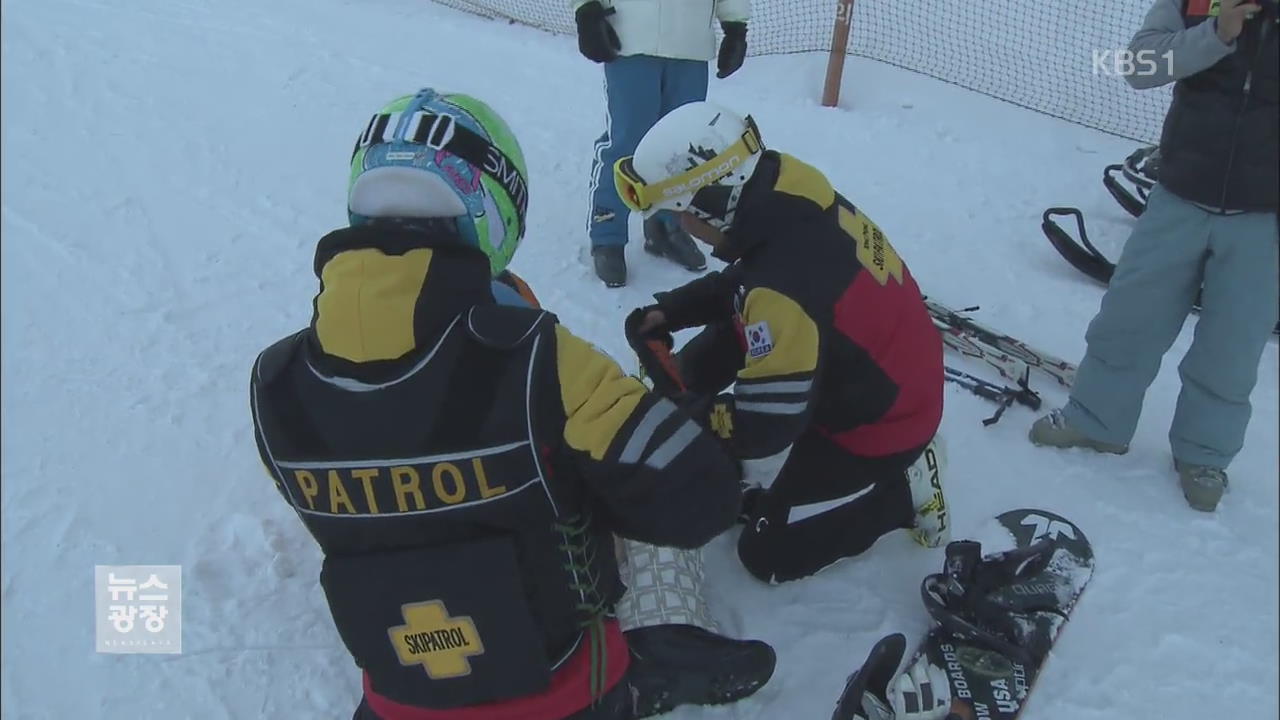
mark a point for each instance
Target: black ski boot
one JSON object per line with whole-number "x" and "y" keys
{"x": 675, "y": 665}
{"x": 866, "y": 693}
{"x": 611, "y": 264}
{"x": 879, "y": 691}
{"x": 673, "y": 244}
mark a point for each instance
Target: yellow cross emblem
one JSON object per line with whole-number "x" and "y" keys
{"x": 721, "y": 421}
{"x": 441, "y": 644}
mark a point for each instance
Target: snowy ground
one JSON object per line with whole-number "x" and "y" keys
{"x": 168, "y": 166}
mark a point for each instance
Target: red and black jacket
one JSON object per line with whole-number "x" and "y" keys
{"x": 832, "y": 331}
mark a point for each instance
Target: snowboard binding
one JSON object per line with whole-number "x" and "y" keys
{"x": 967, "y": 601}
{"x": 1142, "y": 170}
{"x": 876, "y": 691}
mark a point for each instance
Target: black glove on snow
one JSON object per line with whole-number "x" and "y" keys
{"x": 597, "y": 40}
{"x": 653, "y": 350}
{"x": 733, "y": 49}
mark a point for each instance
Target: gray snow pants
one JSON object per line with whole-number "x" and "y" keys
{"x": 1175, "y": 247}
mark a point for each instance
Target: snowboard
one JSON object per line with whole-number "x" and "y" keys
{"x": 987, "y": 681}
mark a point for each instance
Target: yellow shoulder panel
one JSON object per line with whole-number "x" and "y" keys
{"x": 803, "y": 180}
{"x": 781, "y": 337}
{"x": 598, "y": 397}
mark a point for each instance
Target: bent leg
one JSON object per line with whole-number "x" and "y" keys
{"x": 824, "y": 506}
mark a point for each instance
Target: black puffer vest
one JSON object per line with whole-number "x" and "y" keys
{"x": 458, "y": 569}
{"x": 1221, "y": 140}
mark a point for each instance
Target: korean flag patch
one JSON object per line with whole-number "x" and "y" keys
{"x": 759, "y": 340}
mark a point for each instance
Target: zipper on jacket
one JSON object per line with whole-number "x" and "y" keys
{"x": 1244, "y": 105}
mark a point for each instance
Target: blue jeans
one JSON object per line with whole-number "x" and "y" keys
{"x": 639, "y": 90}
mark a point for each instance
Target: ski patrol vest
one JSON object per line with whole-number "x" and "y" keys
{"x": 458, "y": 570}
{"x": 1221, "y": 139}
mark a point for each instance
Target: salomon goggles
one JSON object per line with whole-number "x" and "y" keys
{"x": 675, "y": 193}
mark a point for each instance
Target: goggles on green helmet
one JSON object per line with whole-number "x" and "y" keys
{"x": 440, "y": 131}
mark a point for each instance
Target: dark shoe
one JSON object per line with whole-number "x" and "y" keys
{"x": 685, "y": 665}
{"x": 611, "y": 264}
{"x": 878, "y": 690}
{"x": 673, "y": 244}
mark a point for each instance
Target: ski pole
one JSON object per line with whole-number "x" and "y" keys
{"x": 1004, "y": 397}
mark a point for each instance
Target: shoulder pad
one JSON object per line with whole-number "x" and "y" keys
{"x": 272, "y": 361}
{"x": 505, "y": 327}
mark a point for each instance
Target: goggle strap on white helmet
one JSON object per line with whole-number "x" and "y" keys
{"x": 640, "y": 195}
{"x": 717, "y": 204}
{"x": 444, "y": 132}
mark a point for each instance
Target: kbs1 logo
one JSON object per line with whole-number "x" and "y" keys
{"x": 1125, "y": 62}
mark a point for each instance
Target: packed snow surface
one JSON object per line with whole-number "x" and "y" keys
{"x": 168, "y": 167}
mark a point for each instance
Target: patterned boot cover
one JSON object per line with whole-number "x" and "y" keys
{"x": 664, "y": 587}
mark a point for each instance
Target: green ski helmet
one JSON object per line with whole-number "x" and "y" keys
{"x": 443, "y": 155}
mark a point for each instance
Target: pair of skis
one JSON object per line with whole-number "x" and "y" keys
{"x": 1012, "y": 358}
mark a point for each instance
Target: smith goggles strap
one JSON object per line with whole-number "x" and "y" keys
{"x": 443, "y": 132}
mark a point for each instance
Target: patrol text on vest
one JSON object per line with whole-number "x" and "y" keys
{"x": 411, "y": 485}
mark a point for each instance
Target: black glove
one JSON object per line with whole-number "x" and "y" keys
{"x": 597, "y": 40}
{"x": 653, "y": 349}
{"x": 733, "y": 49}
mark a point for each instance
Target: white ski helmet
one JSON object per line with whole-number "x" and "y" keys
{"x": 696, "y": 158}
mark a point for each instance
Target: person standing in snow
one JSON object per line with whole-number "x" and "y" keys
{"x": 655, "y": 55}
{"x": 1210, "y": 226}
{"x": 837, "y": 364}
{"x": 465, "y": 465}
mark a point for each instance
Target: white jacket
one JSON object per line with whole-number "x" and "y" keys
{"x": 680, "y": 29}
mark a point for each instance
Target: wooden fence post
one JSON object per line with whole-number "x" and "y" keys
{"x": 839, "y": 45}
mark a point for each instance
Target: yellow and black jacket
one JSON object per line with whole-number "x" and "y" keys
{"x": 463, "y": 466}
{"x": 818, "y": 322}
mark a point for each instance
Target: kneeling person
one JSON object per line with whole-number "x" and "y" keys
{"x": 818, "y": 322}
{"x": 465, "y": 466}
